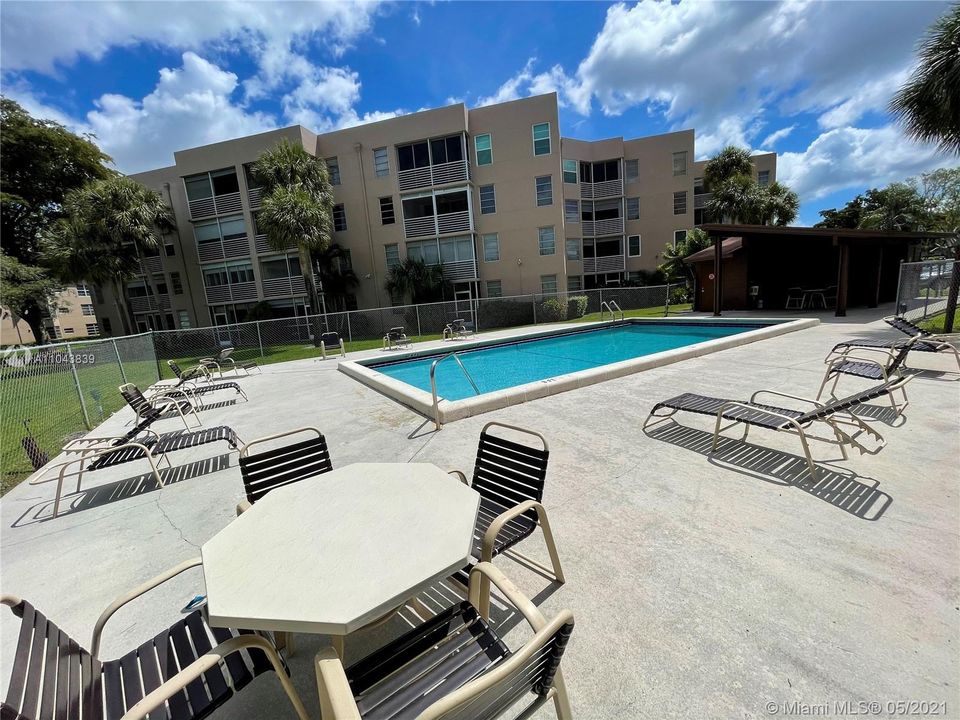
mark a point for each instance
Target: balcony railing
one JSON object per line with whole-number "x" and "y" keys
{"x": 700, "y": 201}
{"x": 229, "y": 248}
{"x": 263, "y": 247}
{"x": 604, "y": 189}
{"x": 149, "y": 303}
{"x": 605, "y": 264}
{"x": 419, "y": 227}
{"x": 284, "y": 286}
{"x": 458, "y": 222}
{"x": 460, "y": 270}
{"x": 254, "y": 196}
{"x": 598, "y": 228}
{"x": 218, "y": 294}
{"x": 454, "y": 222}
{"x": 455, "y": 171}
{"x": 151, "y": 264}
{"x": 217, "y": 205}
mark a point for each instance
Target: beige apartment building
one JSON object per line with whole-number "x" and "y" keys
{"x": 493, "y": 194}
{"x": 72, "y": 315}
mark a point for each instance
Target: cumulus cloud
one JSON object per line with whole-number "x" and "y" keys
{"x": 776, "y": 136}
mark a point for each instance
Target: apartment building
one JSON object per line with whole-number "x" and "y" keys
{"x": 494, "y": 195}
{"x": 72, "y": 315}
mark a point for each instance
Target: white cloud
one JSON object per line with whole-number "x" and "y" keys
{"x": 773, "y": 138}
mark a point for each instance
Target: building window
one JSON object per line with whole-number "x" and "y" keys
{"x": 491, "y": 247}
{"x": 381, "y": 163}
{"x": 107, "y": 327}
{"x": 392, "y": 252}
{"x": 488, "y": 200}
{"x": 570, "y": 171}
{"x": 92, "y": 329}
{"x": 216, "y": 183}
{"x": 339, "y": 218}
{"x": 574, "y": 283}
{"x": 599, "y": 171}
{"x": 333, "y": 167}
{"x": 87, "y": 310}
{"x": 679, "y": 236}
{"x": 544, "y": 190}
{"x": 573, "y": 248}
{"x": 177, "y": 284}
{"x": 484, "y": 146}
{"x": 633, "y": 208}
{"x": 541, "y": 139}
{"x": 184, "y": 318}
{"x": 494, "y": 289}
{"x": 548, "y": 242}
{"x": 763, "y": 178}
{"x": 680, "y": 163}
{"x": 632, "y": 170}
{"x": 548, "y": 284}
{"x": 680, "y": 203}
{"x": 83, "y": 290}
{"x": 434, "y": 152}
{"x": 66, "y": 331}
{"x": 698, "y": 187}
{"x": 387, "y": 215}
{"x": 169, "y": 249}
{"x": 571, "y": 211}
{"x": 633, "y": 246}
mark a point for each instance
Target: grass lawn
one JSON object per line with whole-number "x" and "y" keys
{"x": 935, "y": 324}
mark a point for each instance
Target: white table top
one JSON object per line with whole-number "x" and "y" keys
{"x": 333, "y": 553}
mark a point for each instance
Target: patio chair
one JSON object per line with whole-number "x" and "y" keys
{"x": 276, "y": 467}
{"x": 795, "y": 298}
{"x": 780, "y": 419}
{"x": 396, "y": 337}
{"x": 331, "y": 341}
{"x": 223, "y": 358}
{"x": 870, "y": 368}
{"x": 510, "y": 476}
{"x": 923, "y": 341}
{"x": 186, "y": 671}
{"x": 456, "y": 329}
{"x": 454, "y": 666}
{"x": 195, "y": 389}
{"x": 150, "y": 410}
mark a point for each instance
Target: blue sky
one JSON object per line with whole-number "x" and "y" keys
{"x": 809, "y": 80}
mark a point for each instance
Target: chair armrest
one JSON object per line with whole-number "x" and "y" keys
{"x": 243, "y": 506}
{"x": 336, "y": 697}
{"x": 847, "y": 357}
{"x": 460, "y": 474}
{"x": 490, "y": 536}
{"x": 132, "y": 595}
{"x": 520, "y": 601}
{"x": 785, "y": 395}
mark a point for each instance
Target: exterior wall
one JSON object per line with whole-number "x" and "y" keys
{"x": 67, "y": 319}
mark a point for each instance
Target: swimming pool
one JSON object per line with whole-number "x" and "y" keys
{"x": 516, "y": 369}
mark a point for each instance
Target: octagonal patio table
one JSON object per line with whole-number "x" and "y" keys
{"x": 334, "y": 553}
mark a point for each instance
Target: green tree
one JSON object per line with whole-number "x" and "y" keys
{"x": 336, "y": 275}
{"x": 416, "y": 280}
{"x": 673, "y": 266}
{"x": 296, "y": 209}
{"x": 848, "y": 216}
{"x": 928, "y": 105}
{"x": 23, "y": 287}
{"x": 776, "y": 205}
{"x": 727, "y": 164}
{"x": 897, "y": 207}
{"x": 941, "y": 192}
{"x": 106, "y": 225}
{"x": 736, "y": 196}
{"x": 42, "y": 162}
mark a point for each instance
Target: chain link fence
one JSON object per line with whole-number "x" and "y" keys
{"x": 924, "y": 288}
{"x": 51, "y": 393}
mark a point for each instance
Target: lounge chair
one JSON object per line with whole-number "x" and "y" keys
{"x": 456, "y": 330}
{"x": 453, "y": 666}
{"x": 886, "y": 365}
{"x": 923, "y": 341}
{"x": 780, "y": 419}
{"x": 187, "y": 671}
{"x": 223, "y": 358}
{"x": 194, "y": 388}
{"x": 396, "y": 337}
{"x": 510, "y": 476}
{"x": 332, "y": 341}
{"x": 279, "y": 466}
{"x": 158, "y": 406}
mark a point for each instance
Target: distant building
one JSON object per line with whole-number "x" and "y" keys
{"x": 72, "y": 315}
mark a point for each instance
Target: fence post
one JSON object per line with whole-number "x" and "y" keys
{"x": 533, "y": 302}
{"x": 417, "y": 308}
{"x": 156, "y": 355}
{"x": 76, "y": 381}
{"x": 119, "y": 361}
{"x": 260, "y": 339}
{"x": 666, "y": 304}
{"x": 349, "y": 332}
{"x": 601, "y": 301}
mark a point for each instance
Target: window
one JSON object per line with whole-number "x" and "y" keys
{"x": 599, "y": 171}
{"x": 633, "y": 208}
{"x": 339, "y": 218}
{"x": 632, "y": 170}
{"x": 177, "y": 284}
{"x": 456, "y": 249}
{"x": 570, "y": 171}
{"x": 488, "y": 200}
{"x": 451, "y": 202}
{"x": 67, "y": 331}
{"x": 92, "y": 329}
{"x": 679, "y": 236}
{"x": 698, "y": 188}
{"x": 333, "y": 167}
{"x": 548, "y": 241}
{"x": 209, "y": 236}
{"x": 198, "y": 187}
{"x": 574, "y": 283}
{"x": 763, "y": 178}
{"x": 680, "y": 203}
{"x": 206, "y": 185}
{"x": 573, "y": 248}
{"x": 381, "y": 163}
{"x": 387, "y": 215}
{"x": 548, "y": 284}
{"x": 417, "y": 206}
{"x": 414, "y": 155}
{"x": 83, "y": 290}
{"x": 169, "y": 249}
{"x": 633, "y": 246}
{"x": 494, "y": 289}
{"x": 541, "y": 139}
{"x": 429, "y": 152}
{"x": 107, "y": 327}
{"x": 225, "y": 181}
{"x": 571, "y": 211}
{"x": 484, "y": 148}
{"x": 544, "y": 190}
{"x": 444, "y": 150}
{"x": 491, "y": 247}
{"x": 87, "y": 310}
{"x": 184, "y": 318}
{"x": 278, "y": 268}
{"x": 392, "y": 252}
{"x": 680, "y": 163}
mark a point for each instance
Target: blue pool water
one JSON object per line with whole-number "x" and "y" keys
{"x": 518, "y": 362}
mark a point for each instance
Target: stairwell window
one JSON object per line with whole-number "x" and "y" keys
{"x": 680, "y": 203}
{"x": 488, "y": 200}
{"x": 381, "y": 162}
{"x": 570, "y": 172}
{"x": 92, "y": 329}
{"x": 633, "y": 208}
{"x": 387, "y": 214}
{"x": 680, "y": 163}
{"x": 392, "y": 253}
{"x": 176, "y": 283}
{"x": 573, "y": 248}
{"x": 544, "y": 190}
{"x": 547, "y": 240}
{"x": 574, "y": 283}
{"x": 339, "y": 218}
{"x": 632, "y": 170}
{"x": 571, "y": 211}
{"x": 484, "y": 147}
{"x": 763, "y": 178}
{"x": 494, "y": 289}
{"x": 491, "y": 247}
{"x": 541, "y": 139}
{"x": 633, "y": 246}
{"x": 548, "y": 284}
{"x": 87, "y": 310}
{"x": 678, "y": 237}
{"x": 333, "y": 167}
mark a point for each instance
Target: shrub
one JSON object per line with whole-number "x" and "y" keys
{"x": 552, "y": 309}
{"x": 679, "y": 295}
{"x": 577, "y": 307}
{"x": 504, "y": 313}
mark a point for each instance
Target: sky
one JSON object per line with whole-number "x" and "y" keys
{"x": 808, "y": 80}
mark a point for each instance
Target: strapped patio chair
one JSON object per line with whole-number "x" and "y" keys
{"x": 454, "y": 666}
{"x": 870, "y": 368}
{"x": 332, "y": 341}
{"x": 223, "y": 358}
{"x": 187, "y": 671}
{"x": 922, "y": 341}
{"x": 795, "y": 298}
{"x": 195, "y": 389}
{"x": 396, "y": 337}
{"x": 276, "y": 467}
{"x": 457, "y": 329}
{"x": 510, "y": 476}
{"x": 157, "y": 407}
{"x": 780, "y": 419}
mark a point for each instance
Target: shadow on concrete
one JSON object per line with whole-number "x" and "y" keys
{"x": 845, "y": 490}
{"x": 89, "y": 498}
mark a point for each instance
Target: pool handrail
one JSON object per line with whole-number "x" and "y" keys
{"x": 614, "y": 308}
{"x": 433, "y": 383}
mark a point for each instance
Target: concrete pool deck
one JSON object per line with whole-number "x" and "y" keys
{"x": 702, "y": 587}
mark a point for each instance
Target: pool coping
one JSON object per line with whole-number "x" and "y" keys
{"x": 450, "y": 410}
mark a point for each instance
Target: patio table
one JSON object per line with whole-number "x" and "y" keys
{"x": 333, "y": 553}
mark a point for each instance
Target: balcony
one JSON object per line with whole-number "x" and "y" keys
{"x": 605, "y": 264}
{"x": 216, "y": 205}
{"x": 151, "y": 264}
{"x": 254, "y": 196}
{"x": 239, "y": 292}
{"x": 599, "y": 228}
{"x": 263, "y": 247}
{"x": 441, "y": 174}
{"x": 700, "y": 201}
{"x": 460, "y": 271}
{"x": 278, "y": 287}
{"x": 458, "y": 222}
{"x": 605, "y": 189}
{"x": 225, "y": 249}
{"x": 150, "y": 303}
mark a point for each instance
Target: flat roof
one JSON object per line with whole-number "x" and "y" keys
{"x": 741, "y": 230}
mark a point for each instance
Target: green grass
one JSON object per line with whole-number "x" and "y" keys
{"x": 642, "y": 312}
{"x": 936, "y": 323}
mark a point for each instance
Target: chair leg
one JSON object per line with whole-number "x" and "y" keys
{"x": 806, "y": 452}
{"x": 716, "y": 433}
{"x": 560, "y": 700}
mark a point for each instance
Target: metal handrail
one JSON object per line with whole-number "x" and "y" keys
{"x": 612, "y": 306}
{"x": 433, "y": 383}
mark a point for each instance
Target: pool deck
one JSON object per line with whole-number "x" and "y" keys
{"x": 702, "y": 587}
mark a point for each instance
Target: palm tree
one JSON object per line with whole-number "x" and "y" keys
{"x": 105, "y": 225}
{"x": 297, "y": 205}
{"x": 726, "y": 164}
{"x": 416, "y": 279}
{"x": 778, "y": 205}
{"x": 336, "y": 275}
{"x": 928, "y": 105}
{"x": 673, "y": 255}
{"x": 734, "y": 200}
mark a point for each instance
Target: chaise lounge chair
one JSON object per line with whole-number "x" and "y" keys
{"x": 195, "y": 389}
{"x": 923, "y": 341}
{"x": 890, "y": 367}
{"x": 187, "y": 671}
{"x": 158, "y": 406}
{"x": 223, "y": 358}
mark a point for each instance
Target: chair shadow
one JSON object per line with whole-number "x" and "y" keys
{"x": 881, "y": 413}
{"x": 89, "y": 498}
{"x": 844, "y": 490}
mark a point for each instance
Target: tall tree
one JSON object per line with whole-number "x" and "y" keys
{"x": 928, "y": 105}
{"x": 940, "y": 190}
{"x": 899, "y": 206}
{"x": 23, "y": 287}
{"x": 106, "y": 225}
{"x": 42, "y": 162}
{"x": 296, "y": 209}
{"x": 728, "y": 163}
{"x": 738, "y": 198}
{"x": 673, "y": 265}
{"x": 848, "y": 216}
